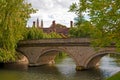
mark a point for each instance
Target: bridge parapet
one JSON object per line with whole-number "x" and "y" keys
{"x": 55, "y": 42}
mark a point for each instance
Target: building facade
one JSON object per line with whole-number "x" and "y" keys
{"x": 58, "y": 28}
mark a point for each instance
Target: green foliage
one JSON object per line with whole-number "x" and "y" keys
{"x": 105, "y": 17}
{"x": 54, "y": 35}
{"x": 34, "y": 33}
{"x": 13, "y": 18}
{"x": 6, "y": 55}
{"x": 37, "y": 33}
{"x": 82, "y": 30}
{"x": 60, "y": 56}
{"x": 116, "y": 57}
{"x": 82, "y": 27}
{"x": 115, "y": 77}
{"x": 80, "y": 19}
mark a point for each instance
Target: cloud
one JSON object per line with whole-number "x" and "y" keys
{"x": 52, "y": 10}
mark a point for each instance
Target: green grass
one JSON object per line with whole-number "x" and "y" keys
{"x": 115, "y": 77}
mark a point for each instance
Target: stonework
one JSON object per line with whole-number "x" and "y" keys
{"x": 44, "y": 51}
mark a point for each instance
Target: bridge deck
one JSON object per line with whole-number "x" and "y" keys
{"x": 55, "y": 42}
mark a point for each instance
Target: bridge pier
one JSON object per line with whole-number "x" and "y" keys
{"x": 80, "y": 68}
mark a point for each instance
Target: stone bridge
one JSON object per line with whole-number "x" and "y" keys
{"x": 44, "y": 51}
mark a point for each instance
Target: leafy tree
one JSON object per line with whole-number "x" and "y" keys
{"x": 82, "y": 30}
{"x": 82, "y": 26}
{"x": 105, "y": 17}
{"x": 37, "y": 33}
{"x": 80, "y": 16}
{"x": 34, "y": 33}
{"x": 13, "y": 17}
{"x": 79, "y": 21}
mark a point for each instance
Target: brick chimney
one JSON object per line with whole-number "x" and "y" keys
{"x": 37, "y": 22}
{"x": 71, "y": 24}
{"x": 33, "y": 24}
{"x": 41, "y": 23}
{"x": 53, "y": 23}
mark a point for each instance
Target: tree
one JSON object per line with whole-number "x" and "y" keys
{"x": 80, "y": 16}
{"x": 81, "y": 30}
{"x": 105, "y": 17}
{"x": 82, "y": 26}
{"x": 13, "y": 17}
{"x": 79, "y": 20}
{"x": 34, "y": 33}
{"x": 37, "y": 33}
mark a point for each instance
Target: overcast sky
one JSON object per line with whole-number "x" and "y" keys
{"x": 50, "y": 10}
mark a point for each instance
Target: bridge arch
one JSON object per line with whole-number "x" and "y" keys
{"x": 53, "y": 49}
{"x": 48, "y": 55}
{"x": 95, "y": 58}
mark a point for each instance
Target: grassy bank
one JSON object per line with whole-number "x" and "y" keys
{"x": 115, "y": 77}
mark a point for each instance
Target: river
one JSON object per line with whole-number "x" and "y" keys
{"x": 62, "y": 70}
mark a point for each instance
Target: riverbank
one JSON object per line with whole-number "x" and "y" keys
{"x": 115, "y": 77}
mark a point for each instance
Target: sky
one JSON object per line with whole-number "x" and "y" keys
{"x": 49, "y": 10}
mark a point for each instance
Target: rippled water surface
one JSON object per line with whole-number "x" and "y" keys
{"x": 62, "y": 70}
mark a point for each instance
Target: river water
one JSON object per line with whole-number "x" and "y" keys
{"x": 62, "y": 70}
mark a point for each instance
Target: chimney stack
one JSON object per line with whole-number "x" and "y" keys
{"x": 41, "y": 23}
{"x": 37, "y": 23}
{"x": 71, "y": 24}
{"x": 33, "y": 24}
{"x": 53, "y": 23}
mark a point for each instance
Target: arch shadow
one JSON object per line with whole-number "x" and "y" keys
{"x": 22, "y": 57}
{"x": 48, "y": 55}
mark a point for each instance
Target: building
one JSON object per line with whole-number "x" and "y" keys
{"x": 58, "y": 28}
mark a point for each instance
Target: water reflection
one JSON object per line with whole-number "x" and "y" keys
{"x": 108, "y": 66}
{"x": 64, "y": 70}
